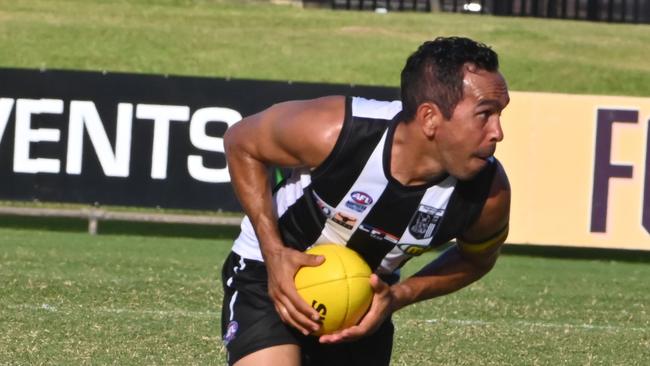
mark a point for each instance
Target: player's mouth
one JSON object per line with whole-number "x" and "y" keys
{"x": 485, "y": 153}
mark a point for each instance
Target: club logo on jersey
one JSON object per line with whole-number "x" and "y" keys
{"x": 344, "y": 220}
{"x": 379, "y": 234}
{"x": 425, "y": 221}
{"x": 230, "y": 332}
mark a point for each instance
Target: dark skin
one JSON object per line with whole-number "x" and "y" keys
{"x": 303, "y": 133}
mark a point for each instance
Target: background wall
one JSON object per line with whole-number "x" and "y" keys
{"x": 579, "y": 169}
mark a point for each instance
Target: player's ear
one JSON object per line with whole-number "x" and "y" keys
{"x": 429, "y": 116}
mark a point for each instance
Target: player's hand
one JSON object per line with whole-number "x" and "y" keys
{"x": 282, "y": 266}
{"x": 380, "y": 309}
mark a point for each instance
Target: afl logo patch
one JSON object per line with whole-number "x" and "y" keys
{"x": 361, "y": 198}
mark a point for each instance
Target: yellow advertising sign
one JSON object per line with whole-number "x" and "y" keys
{"x": 579, "y": 166}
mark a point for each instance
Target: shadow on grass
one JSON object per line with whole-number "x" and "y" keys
{"x": 120, "y": 227}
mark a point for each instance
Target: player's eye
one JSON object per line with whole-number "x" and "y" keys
{"x": 484, "y": 115}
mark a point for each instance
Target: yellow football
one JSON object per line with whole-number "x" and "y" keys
{"x": 339, "y": 289}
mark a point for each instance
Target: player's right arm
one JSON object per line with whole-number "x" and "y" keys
{"x": 296, "y": 133}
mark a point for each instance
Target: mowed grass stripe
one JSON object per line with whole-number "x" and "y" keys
{"x": 180, "y": 313}
{"x": 68, "y": 310}
{"x": 517, "y": 323}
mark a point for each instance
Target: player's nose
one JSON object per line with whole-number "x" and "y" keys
{"x": 497, "y": 131}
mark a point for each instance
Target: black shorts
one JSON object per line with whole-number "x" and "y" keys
{"x": 250, "y": 323}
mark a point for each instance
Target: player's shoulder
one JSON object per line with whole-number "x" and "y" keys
{"x": 497, "y": 203}
{"x": 330, "y": 103}
{"x": 500, "y": 182}
{"x": 373, "y": 108}
{"x": 495, "y": 214}
{"x": 360, "y": 106}
{"x": 310, "y": 114}
{"x": 336, "y": 108}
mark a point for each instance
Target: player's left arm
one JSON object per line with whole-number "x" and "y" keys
{"x": 481, "y": 243}
{"x": 474, "y": 255}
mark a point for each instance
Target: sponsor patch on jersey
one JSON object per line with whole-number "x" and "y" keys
{"x": 355, "y": 206}
{"x": 379, "y": 234}
{"x": 413, "y": 250}
{"x": 344, "y": 220}
{"x": 325, "y": 209}
{"x": 424, "y": 222}
{"x": 231, "y": 331}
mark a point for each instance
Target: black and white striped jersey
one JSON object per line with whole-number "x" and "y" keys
{"x": 351, "y": 198}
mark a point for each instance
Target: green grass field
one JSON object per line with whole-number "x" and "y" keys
{"x": 71, "y": 298}
{"x": 127, "y": 298}
{"x": 245, "y": 39}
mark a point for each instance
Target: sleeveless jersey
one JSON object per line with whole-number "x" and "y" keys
{"x": 351, "y": 198}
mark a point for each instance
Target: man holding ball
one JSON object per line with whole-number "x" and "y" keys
{"x": 389, "y": 180}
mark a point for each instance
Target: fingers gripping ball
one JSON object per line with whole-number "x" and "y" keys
{"x": 339, "y": 289}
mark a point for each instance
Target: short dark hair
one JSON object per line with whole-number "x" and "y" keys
{"x": 434, "y": 73}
